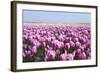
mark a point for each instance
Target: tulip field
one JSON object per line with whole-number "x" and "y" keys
{"x": 56, "y": 43}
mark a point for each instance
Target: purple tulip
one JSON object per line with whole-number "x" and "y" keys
{"x": 67, "y": 46}
{"x": 25, "y": 37}
{"x": 28, "y": 53}
{"x": 70, "y": 56}
{"x": 60, "y": 44}
{"x": 82, "y": 55}
{"x": 76, "y": 39}
{"x": 50, "y": 55}
{"x": 72, "y": 44}
{"x": 78, "y": 52}
{"x": 61, "y": 37}
{"x": 82, "y": 40}
{"x": 34, "y": 50}
{"x": 77, "y": 44}
{"x": 65, "y": 57}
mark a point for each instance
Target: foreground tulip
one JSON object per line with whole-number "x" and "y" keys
{"x": 28, "y": 53}
{"x": 34, "y": 50}
{"x": 50, "y": 55}
{"x": 82, "y": 55}
{"x": 65, "y": 57}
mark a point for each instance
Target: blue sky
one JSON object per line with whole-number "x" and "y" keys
{"x": 56, "y": 17}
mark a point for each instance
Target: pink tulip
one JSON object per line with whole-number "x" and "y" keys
{"x": 34, "y": 50}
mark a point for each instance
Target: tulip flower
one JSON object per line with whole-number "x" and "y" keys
{"x": 28, "y": 53}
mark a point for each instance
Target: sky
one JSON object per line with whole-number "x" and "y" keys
{"x": 56, "y": 17}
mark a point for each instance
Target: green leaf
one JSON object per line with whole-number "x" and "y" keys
{"x": 71, "y": 50}
{"x": 41, "y": 53}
